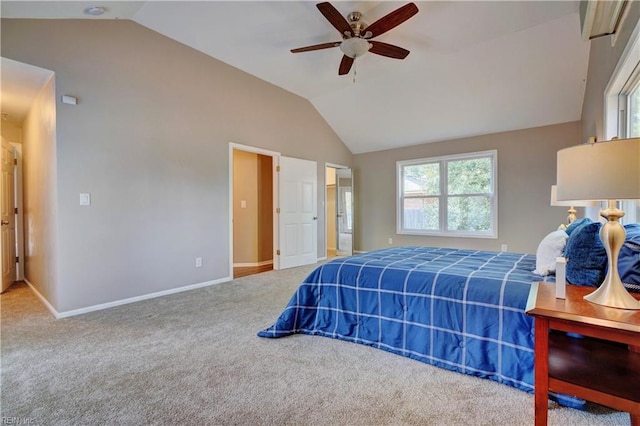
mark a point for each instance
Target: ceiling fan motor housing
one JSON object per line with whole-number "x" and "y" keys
{"x": 356, "y": 24}
{"x": 355, "y": 46}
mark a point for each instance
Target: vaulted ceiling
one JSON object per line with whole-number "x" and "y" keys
{"x": 475, "y": 67}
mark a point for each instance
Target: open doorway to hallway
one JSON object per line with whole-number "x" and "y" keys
{"x": 281, "y": 208}
{"x": 252, "y": 213}
{"x": 28, "y": 120}
{"x": 339, "y": 214}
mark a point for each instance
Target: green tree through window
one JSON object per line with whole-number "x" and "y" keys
{"x": 469, "y": 183}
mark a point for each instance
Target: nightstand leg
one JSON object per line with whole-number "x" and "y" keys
{"x": 635, "y": 419}
{"x": 541, "y": 372}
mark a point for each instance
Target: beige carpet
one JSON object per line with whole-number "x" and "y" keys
{"x": 194, "y": 358}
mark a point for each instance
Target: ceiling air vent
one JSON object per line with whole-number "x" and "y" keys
{"x": 601, "y": 18}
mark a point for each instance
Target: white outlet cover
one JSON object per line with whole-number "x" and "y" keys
{"x": 85, "y": 199}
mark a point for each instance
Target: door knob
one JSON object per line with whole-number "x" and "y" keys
{"x": 4, "y": 222}
{"x": 315, "y": 218}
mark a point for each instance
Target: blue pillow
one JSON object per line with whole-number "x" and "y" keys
{"x": 629, "y": 259}
{"x": 577, "y": 224}
{"x": 587, "y": 263}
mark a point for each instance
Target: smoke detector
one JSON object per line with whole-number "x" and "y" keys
{"x": 95, "y": 10}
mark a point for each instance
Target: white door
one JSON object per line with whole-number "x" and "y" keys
{"x": 8, "y": 228}
{"x": 298, "y": 217}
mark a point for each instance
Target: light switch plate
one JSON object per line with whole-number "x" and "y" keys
{"x": 85, "y": 199}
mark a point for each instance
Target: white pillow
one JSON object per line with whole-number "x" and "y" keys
{"x": 550, "y": 247}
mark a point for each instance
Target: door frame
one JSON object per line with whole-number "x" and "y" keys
{"x": 336, "y": 166}
{"x": 275, "y": 156}
{"x": 17, "y": 149}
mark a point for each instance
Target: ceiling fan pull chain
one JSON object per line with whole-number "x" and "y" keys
{"x": 355, "y": 70}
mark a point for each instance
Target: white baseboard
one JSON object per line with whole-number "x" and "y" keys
{"x": 42, "y": 298}
{"x": 115, "y": 303}
{"x": 321, "y": 258}
{"x": 253, "y": 264}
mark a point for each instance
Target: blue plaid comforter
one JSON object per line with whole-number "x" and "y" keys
{"x": 462, "y": 310}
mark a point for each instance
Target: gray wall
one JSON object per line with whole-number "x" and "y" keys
{"x": 603, "y": 59}
{"x": 149, "y": 140}
{"x": 526, "y": 171}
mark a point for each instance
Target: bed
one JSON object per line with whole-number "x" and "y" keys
{"x": 462, "y": 310}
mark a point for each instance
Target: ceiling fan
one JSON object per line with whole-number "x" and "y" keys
{"x": 356, "y": 35}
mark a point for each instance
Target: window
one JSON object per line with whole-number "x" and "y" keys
{"x": 622, "y": 106}
{"x": 629, "y": 106}
{"x": 633, "y": 109}
{"x": 448, "y": 196}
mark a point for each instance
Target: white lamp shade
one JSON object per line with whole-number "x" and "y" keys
{"x": 601, "y": 171}
{"x": 568, "y": 203}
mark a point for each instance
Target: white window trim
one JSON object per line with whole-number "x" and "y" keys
{"x": 613, "y": 108}
{"x": 627, "y": 63}
{"x": 493, "y": 234}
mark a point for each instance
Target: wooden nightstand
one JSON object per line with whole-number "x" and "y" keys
{"x": 605, "y": 370}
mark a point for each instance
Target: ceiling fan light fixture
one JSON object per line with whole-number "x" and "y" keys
{"x": 355, "y": 47}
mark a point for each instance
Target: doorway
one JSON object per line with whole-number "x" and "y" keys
{"x": 339, "y": 205}
{"x": 23, "y": 87}
{"x": 289, "y": 202}
{"x": 252, "y": 210}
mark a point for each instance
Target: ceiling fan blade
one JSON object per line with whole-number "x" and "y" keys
{"x": 391, "y": 20}
{"x": 345, "y": 65}
{"x": 316, "y": 47}
{"x": 335, "y": 18}
{"x": 388, "y": 50}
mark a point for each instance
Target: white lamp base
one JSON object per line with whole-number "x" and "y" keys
{"x": 612, "y": 292}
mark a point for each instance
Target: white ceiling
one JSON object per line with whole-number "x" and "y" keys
{"x": 475, "y": 67}
{"x": 21, "y": 83}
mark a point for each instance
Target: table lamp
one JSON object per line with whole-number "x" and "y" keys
{"x": 569, "y": 203}
{"x": 606, "y": 171}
